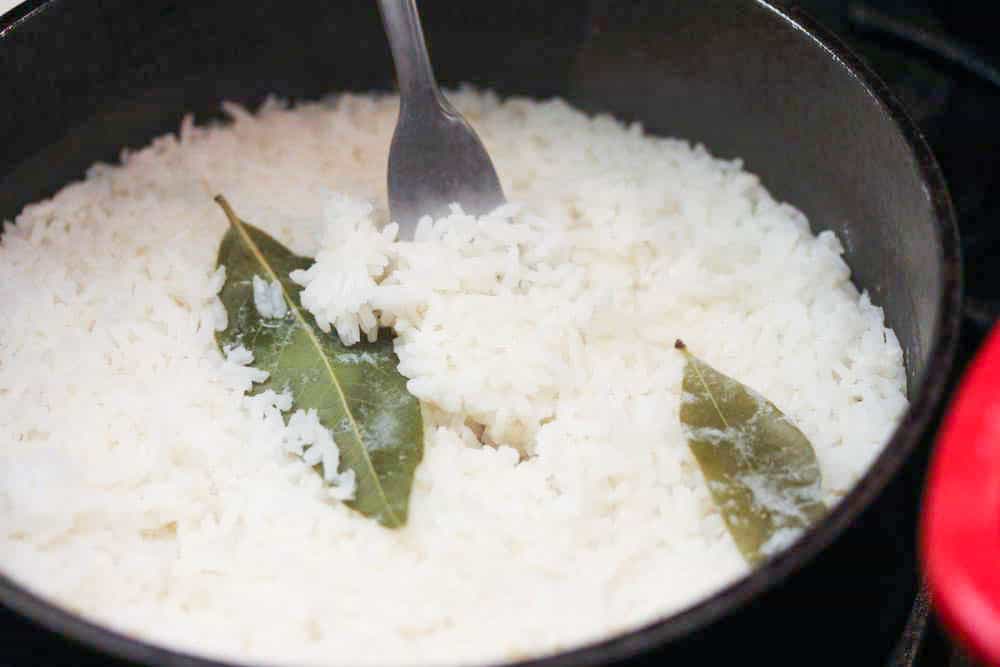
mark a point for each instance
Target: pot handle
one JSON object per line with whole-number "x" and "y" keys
{"x": 960, "y": 536}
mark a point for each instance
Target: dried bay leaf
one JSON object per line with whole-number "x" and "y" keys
{"x": 357, "y": 392}
{"x": 761, "y": 470}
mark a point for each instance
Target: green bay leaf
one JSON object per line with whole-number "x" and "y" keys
{"x": 760, "y": 469}
{"x": 357, "y": 391}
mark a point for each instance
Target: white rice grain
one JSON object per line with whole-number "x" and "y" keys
{"x": 141, "y": 488}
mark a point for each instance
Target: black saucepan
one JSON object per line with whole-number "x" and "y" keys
{"x": 82, "y": 78}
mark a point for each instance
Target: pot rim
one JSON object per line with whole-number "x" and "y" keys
{"x": 905, "y": 438}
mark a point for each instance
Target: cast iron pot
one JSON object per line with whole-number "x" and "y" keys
{"x": 84, "y": 78}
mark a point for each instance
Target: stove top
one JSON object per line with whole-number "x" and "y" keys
{"x": 938, "y": 59}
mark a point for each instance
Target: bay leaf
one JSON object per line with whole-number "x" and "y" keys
{"x": 357, "y": 391}
{"x": 761, "y": 470}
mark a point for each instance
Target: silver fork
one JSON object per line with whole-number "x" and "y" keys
{"x": 435, "y": 158}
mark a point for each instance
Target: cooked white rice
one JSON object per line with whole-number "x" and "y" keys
{"x": 139, "y": 487}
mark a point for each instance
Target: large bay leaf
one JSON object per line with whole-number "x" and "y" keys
{"x": 357, "y": 391}
{"x": 761, "y": 470}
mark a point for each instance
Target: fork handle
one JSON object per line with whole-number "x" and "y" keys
{"x": 414, "y": 73}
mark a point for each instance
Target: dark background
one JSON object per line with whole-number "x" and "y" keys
{"x": 939, "y": 58}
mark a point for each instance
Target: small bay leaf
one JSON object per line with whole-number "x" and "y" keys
{"x": 761, "y": 470}
{"x": 357, "y": 391}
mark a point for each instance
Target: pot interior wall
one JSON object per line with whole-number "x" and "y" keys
{"x": 92, "y": 77}
{"x": 734, "y": 76}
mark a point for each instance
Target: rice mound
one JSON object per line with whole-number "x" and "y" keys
{"x": 141, "y": 488}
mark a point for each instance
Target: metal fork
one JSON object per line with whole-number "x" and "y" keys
{"x": 435, "y": 158}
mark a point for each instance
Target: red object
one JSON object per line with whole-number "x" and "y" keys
{"x": 961, "y": 520}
